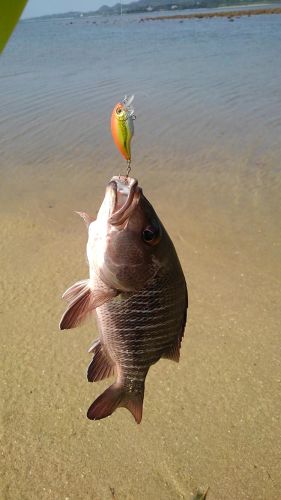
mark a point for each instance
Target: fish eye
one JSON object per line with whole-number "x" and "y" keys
{"x": 148, "y": 234}
{"x": 151, "y": 234}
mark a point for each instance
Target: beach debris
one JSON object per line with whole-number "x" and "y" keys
{"x": 112, "y": 491}
{"x": 122, "y": 127}
{"x": 10, "y": 13}
{"x": 138, "y": 290}
{"x": 199, "y": 495}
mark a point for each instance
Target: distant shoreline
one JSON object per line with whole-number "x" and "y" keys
{"x": 229, "y": 14}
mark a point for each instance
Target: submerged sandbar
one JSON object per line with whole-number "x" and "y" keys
{"x": 207, "y": 15}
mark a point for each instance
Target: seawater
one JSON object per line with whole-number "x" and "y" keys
{"x": 197, "y": 83}
{"x": 207, "y": 101}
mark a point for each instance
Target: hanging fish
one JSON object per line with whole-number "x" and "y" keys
{"x": 122, "y": 126}
{"x": 138, "y": 290}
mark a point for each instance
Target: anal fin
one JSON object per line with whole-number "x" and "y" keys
{"x": 101, "y": 366}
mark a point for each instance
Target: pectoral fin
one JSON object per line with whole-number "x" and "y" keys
{"x": 83, "y": 300}
{"x": 88, "y": 219}
{"x": 75, "y": 290}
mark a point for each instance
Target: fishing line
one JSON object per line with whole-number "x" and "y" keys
{"x": 126, "y": 101}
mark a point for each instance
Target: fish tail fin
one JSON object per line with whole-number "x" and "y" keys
{"x": 114, "y": 397}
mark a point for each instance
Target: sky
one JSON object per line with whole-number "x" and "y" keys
{"x": 36, "y": 8}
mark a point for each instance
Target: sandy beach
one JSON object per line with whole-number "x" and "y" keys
{"x": 208, "y": 159}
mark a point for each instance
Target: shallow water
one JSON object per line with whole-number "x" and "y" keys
{"x": 207, "y": 154}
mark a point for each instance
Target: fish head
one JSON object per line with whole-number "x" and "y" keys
{"x": 129, "y": 243}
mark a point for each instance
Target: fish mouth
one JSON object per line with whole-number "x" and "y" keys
{"x": 126, "y": 194}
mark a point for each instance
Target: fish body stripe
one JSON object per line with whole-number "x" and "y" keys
{"x": 138, "y": 330}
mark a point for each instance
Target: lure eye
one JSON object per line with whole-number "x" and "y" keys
{"x": 118, "y": 111}
{"x": 151, "y": 234}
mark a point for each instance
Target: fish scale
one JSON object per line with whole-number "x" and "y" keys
{"x": 135, "y": 340}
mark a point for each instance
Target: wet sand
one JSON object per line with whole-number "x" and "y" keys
{"x": 207, "y": 154}
{"x": 208, "y": 15}
{"x": 212, "y": 420}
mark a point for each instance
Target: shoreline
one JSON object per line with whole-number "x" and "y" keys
{"x": 206, "y": 15}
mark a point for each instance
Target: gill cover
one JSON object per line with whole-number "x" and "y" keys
{"x": 122, "y": 126}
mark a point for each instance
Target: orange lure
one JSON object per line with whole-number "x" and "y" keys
{"x": 122, "y": 126}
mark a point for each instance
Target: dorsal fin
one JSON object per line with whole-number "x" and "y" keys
{"x": 173, "y": 352}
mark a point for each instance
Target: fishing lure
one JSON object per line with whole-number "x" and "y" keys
{"x": 122, "y": 127}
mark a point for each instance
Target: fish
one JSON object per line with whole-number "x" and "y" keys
{"x": 138, "y": 290}
{"x": 122, "y": 126}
